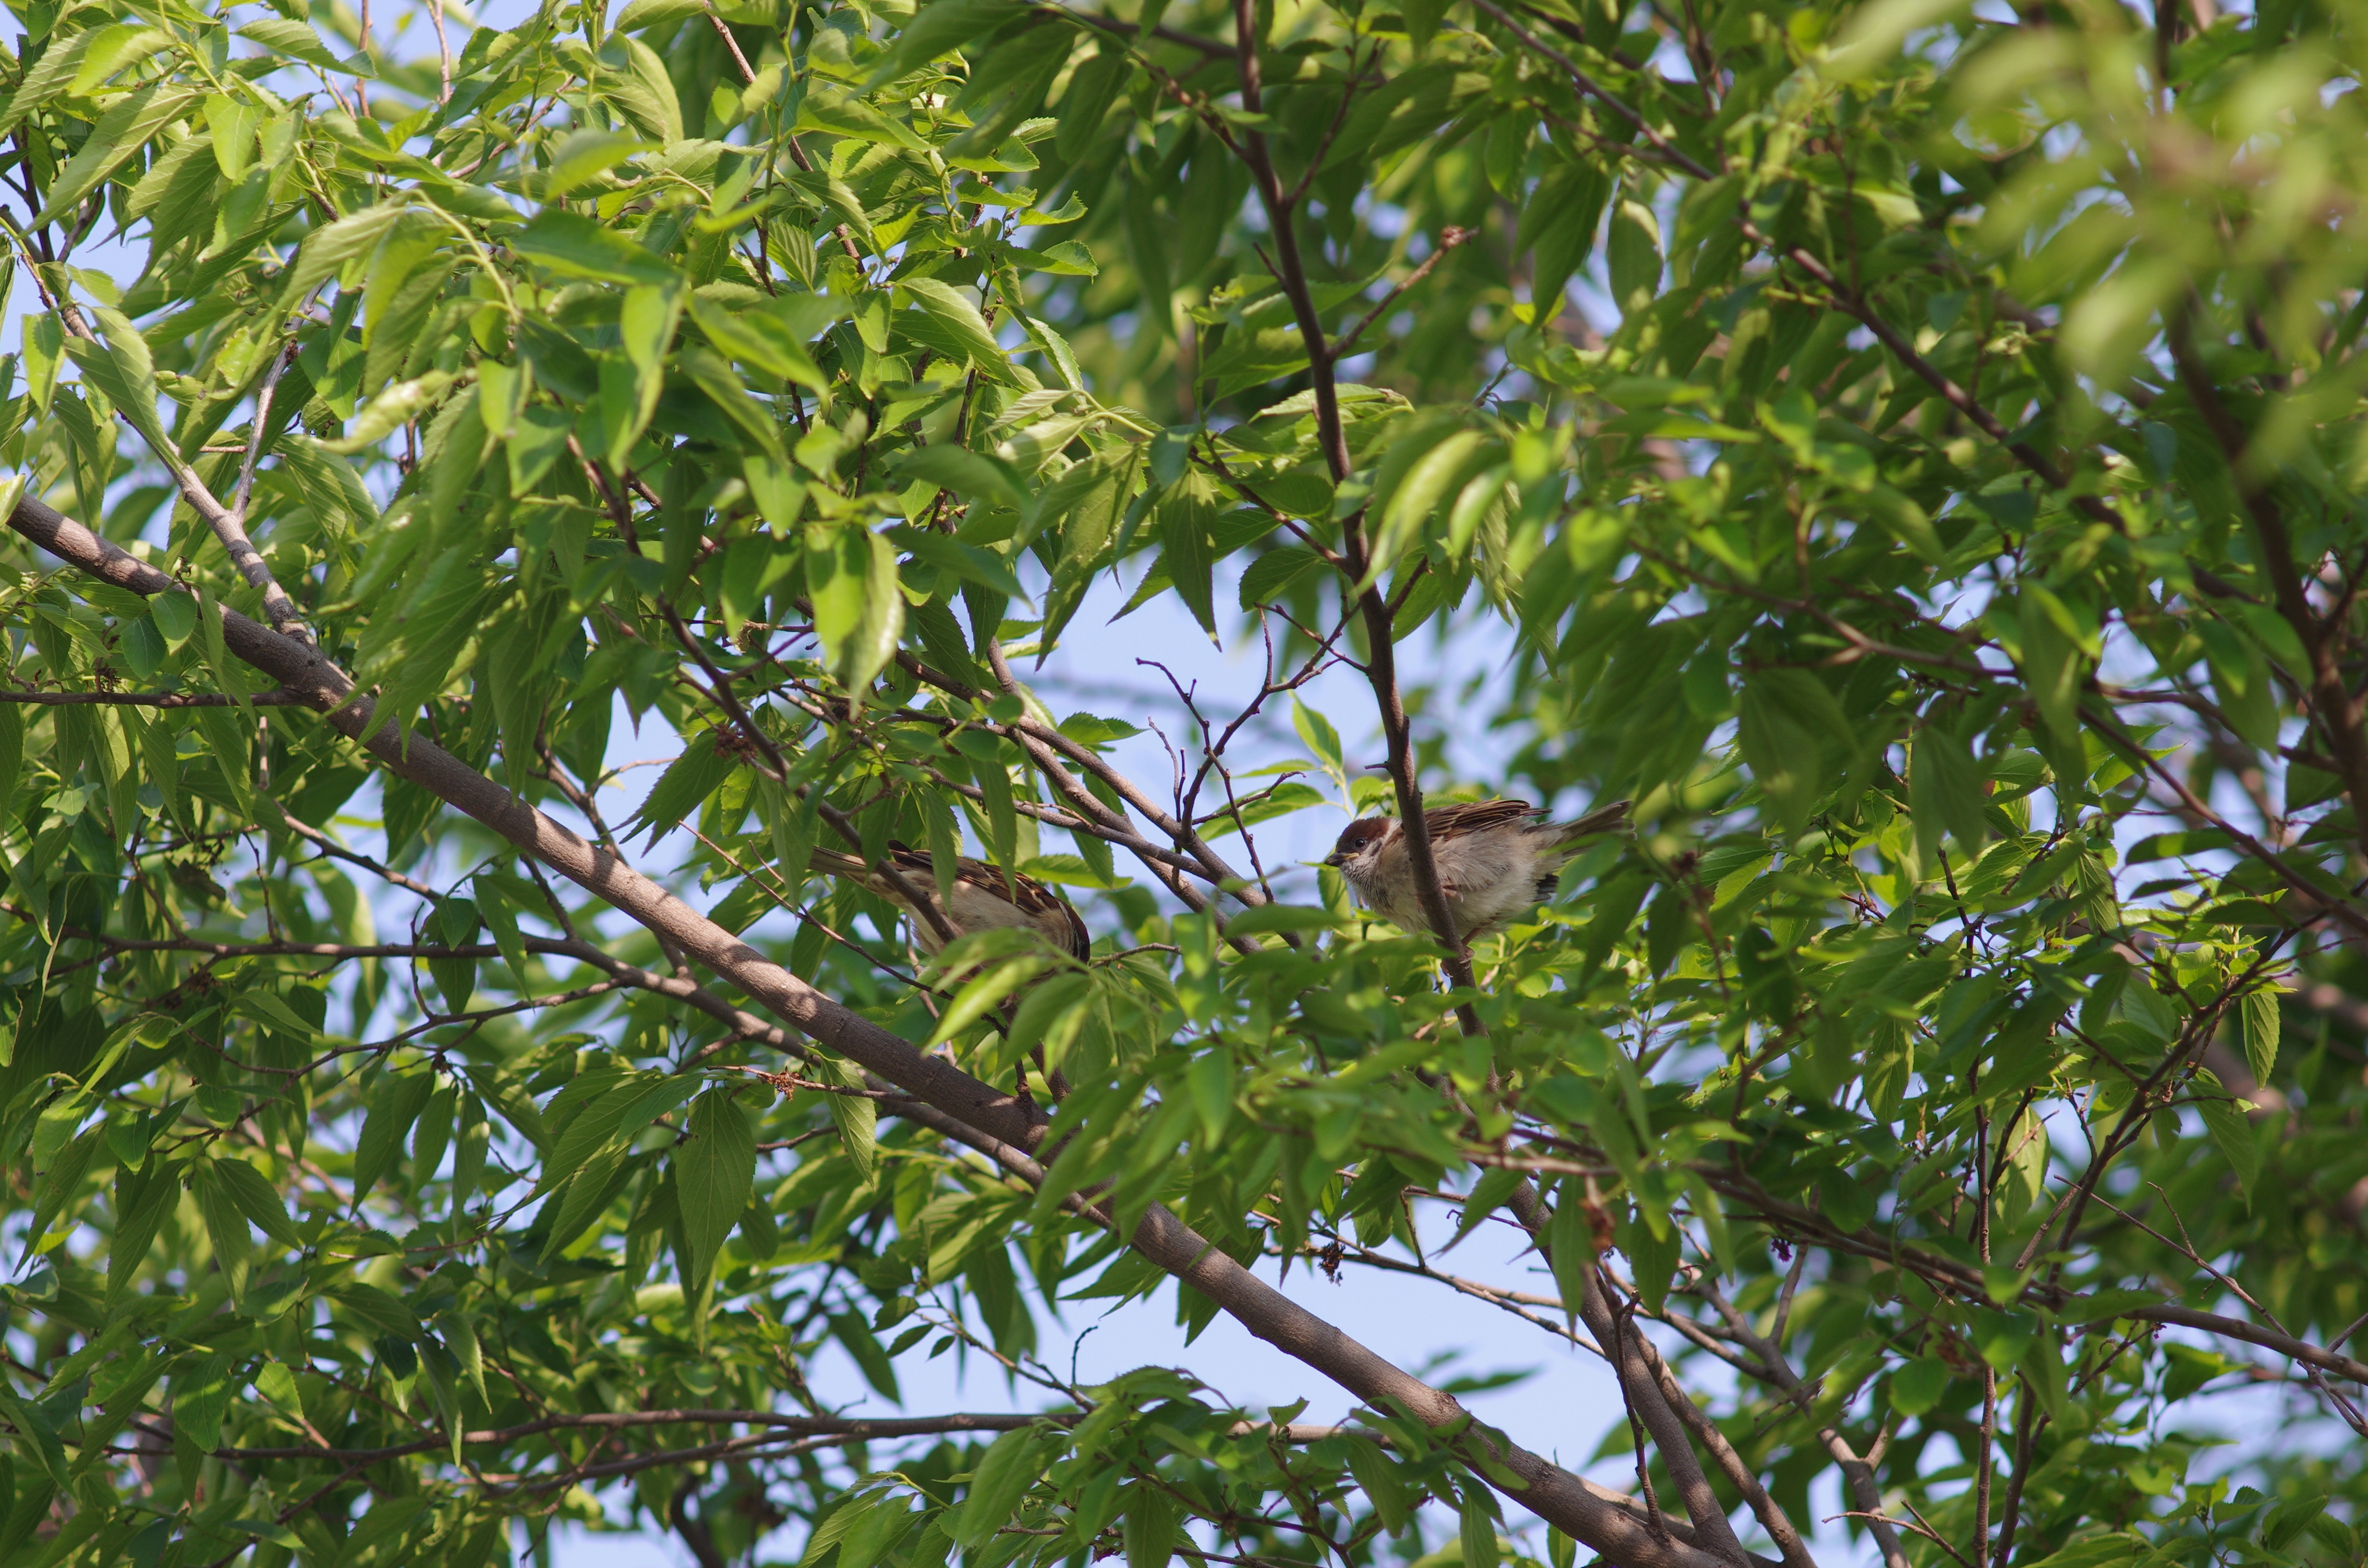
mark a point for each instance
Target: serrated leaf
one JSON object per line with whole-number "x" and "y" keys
{"x": 1187, "y": 513}
{"x": 1001, "y": 1478}
{"x": 123, "y": 131}
{"x": 1271, "y": 575}
{"x": 388, "y": 412}
{"x": 258, "y": 1199}
{"x": 2232, "y": 1133}
{"x": 970, "y": 473}
{"x": 282, "y": 35}
{"x": 760, "y": 338}
{"x": 576, "y": 246}
{"x": 959, "y": 315}
{"x": 394, "y": 1104}
{"x": 714, "y": 1172}
{"x": 2256, "y": 1015}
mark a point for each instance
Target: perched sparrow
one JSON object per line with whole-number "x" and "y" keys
{"x": 1495, "y": 859}
{"x": 981, "y": 900}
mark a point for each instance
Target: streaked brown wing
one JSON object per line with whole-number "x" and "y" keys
{"x": 914, "y": 863}
{"x": 1080, "y": 943}
{"x": 1471, "y": 816}
{"x": 917, "y": 865}
{"x": 1035, "y": 899}
{"x": 1038, "y": 901}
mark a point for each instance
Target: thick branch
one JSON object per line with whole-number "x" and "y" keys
{"x": 228, "y": 525}
{"x": 147, "y": 699}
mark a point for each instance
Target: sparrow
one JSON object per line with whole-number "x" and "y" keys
{"x": 981, "y": 902}
{"x": 1495, "y": 859}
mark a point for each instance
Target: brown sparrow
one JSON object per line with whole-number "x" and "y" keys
{"x": 1495, "y": 859}
{"x": 981, "y": 902}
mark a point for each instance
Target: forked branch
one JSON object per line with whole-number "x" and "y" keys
{"x": 1012, "y": 1125}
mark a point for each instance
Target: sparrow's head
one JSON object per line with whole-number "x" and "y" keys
{"x": 1360, "y": 843}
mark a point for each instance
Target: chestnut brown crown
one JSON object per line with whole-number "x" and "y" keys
{"x": 1358, "y": 835}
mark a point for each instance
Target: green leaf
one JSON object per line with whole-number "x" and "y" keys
{"x": 1379, "y": 1478}
{"x": 969, "y": 561}
{"x": 257, "y": 1198}
{"x": 1558, "y": 223}
{"x": 1152, "y": 1517}
{"x": 2257, "y": 1020}
{"x": 1321, "y": 738}
{"x": 398, "y": 406}
{"x": 620, "y": 1109}
{"x": 827, "y": 110}
{"x": 123, "y": 370}
{"x": 1281, "y": 800}
{"x": 938, "y": 28}
{"x": 120, "y": 133}
{"x": 495, "y": 904}
{"x": 576, "y": 246}
{"x": 2232, "y": 1133}
{"x": 705, "y": 763}
{"x": 966, "y": 473}
{"x": 964, "y": 328}
{"x": 713, "y": 1173}
{"x": 53, "y": 72}
{"x": 984, "y": 991}
{"x": 1573, "y": 1246}
{"x": 1487, "y": 1195}
{"x": 329, "y": 248}
{"x": 1270, "y": 577}
{"x": 394, "y": 1104}
{"x": 1918, "y": 1386}
{"x": 643, "y": 91}
{"x": 1415, "y": 477}
{"x": 640, "y": 13}
{"x": 1633, "y": 249}
{"x": 1944, "y": 790}
{"x": 35, "y": 1438}
{"x": 759, "y": 338}
{"x": 376, "y": 1309}
{"x": 294, "y": 39}
{"x": 1791, "y": 731}
{"x": 202, "y": 1389}
{"x": 1187, "y": 514}
{"x": 855, "y": 1116}
{"x": 1001, "y": 1479}
{"x": 141, "y": 1200}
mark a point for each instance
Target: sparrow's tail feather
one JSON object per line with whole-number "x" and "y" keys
{"x": 1603, "y": 819}
{"x": 837, "y": 863}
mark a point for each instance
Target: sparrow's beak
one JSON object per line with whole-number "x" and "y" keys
{"x": 1335, "y": 859}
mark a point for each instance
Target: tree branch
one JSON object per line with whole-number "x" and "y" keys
{"x": 1866, "y": 1490}
{"x": 1013, "y": 1124}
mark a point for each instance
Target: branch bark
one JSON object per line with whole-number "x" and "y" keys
{"x": 1380, "y": 667}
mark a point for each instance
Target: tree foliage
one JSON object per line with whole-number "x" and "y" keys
{"x": 1907, "y": 451}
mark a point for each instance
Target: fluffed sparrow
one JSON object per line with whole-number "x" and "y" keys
{"x": 1495, "y": 860}
{"x": 981, "y": 901}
